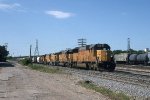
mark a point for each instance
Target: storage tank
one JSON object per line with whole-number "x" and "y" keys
{"x": 133, "y": 57}
{"x": 146, "y": 50}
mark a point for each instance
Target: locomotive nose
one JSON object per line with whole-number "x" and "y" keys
{"x": 103, "y": 55}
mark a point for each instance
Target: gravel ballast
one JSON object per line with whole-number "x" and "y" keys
{"x": 138, "y": 92}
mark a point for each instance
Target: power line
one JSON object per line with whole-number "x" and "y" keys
{"x": 36, "y": 52}
{"x": 30, "y": 52}
{"x": 82, "y": 42}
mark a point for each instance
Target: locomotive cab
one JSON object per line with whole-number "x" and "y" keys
{"x": 103, "y": 56}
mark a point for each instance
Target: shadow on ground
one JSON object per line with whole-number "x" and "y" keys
{"x": 6, "y": 64}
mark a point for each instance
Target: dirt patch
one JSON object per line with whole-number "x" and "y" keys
{"x": 27, "y": 84}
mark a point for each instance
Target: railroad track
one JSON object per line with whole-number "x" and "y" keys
{"x": 119, "y": 76}
{"x": 135, "y": 77}
{"x": 134, "y": 67}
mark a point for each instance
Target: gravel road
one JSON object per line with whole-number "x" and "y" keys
{"x": 20, "y": 83}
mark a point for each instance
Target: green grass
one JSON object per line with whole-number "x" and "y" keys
{"x": 45, "y": 69}
{"x": 25, "y": 61}
{"x": 107, "y": 92}
{"x": 41, "y": 68}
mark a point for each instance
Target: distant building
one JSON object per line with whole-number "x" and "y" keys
{"x": 146, "y": 50}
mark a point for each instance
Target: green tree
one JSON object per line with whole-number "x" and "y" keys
{"x": 140, "y": 51}
{"x": 3, "y": 53}
{"x": 119, "y": 51}
{"x": 131, "y": 51}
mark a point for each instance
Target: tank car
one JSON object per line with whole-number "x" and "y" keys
{"x": 133, "y": 59}
{"x": 148, "y": 58}
{"x": 143, "y": 59}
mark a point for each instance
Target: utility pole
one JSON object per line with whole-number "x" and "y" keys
{"x": 128, "y": 45}
{"x": 30, "y": 52}
{"x": 82, "y": 42}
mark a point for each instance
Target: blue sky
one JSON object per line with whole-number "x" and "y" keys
{"x": 57, "y": 24}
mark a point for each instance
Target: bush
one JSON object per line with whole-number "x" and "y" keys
{"x": 3, "y": 53}
{"x": 25, "y": 61}
{"x": 9, "y": 57}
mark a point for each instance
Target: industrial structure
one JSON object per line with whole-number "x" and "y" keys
{"x": 128, "y": 45}
{"x": 82, "y": 42}
{"x": 36, "y": 52}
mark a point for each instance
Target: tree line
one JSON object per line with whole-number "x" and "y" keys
{"x": 131, "y": 51}
{"x": 3, "y": 53}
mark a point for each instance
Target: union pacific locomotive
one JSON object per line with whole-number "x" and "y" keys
{"x": 95, "y": 56}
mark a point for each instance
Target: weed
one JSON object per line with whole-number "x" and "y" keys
{"x": 107, "y": 92}
{"x": 45, "y": 69}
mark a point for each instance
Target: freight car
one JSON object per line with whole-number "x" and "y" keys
{"x": 96, "y": 56}
{"x": 133, "y": 58}
{"x": 121, "y": 58}
{"x": 140, "y": 59}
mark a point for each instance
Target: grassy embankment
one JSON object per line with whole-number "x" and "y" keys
{"x": 41, "y": 68}
{"x": 104, "y": 91}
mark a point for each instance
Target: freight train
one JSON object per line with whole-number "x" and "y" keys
{"x": 133, "y": 58}
{"x": 95, "y": 56}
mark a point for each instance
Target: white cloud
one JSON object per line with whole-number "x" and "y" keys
{"x": 59, "y": 14}
{"x": 4, "y": 6}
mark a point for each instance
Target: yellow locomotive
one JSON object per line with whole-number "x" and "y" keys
{"x": 96, "y": 56}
